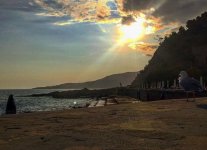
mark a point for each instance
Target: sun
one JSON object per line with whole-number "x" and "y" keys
{"x": 133, "y": 31}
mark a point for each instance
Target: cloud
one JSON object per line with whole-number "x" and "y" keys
{"x": 80, "y": 10}
{"x": 47, "y": 14}
{"x": 20, "y": 5}
{"x": 164, "y": 15}
{"x": 128, "y": 20}
{"x": 63, "y": 23}
{"x": 146, "y": 48}
{"x": 111, "y": 10}
{"x": 102, "y": 10}
{"x": 168, "y": 10}
{"x": 181, "y": 10}
{"x": 139, "y": 5}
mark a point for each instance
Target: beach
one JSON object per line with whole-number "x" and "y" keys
{"x": 157, "y": 125}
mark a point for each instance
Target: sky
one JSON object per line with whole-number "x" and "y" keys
{"x": 49, "y": 42}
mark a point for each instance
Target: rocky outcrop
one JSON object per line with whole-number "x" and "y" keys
{"x": 184, "y": 50}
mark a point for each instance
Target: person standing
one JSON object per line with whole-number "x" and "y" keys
{"x": 11, "y": 106}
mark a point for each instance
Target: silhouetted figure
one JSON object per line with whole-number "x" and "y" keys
{"x": 190, "y": 85}
{"x": 11, "y": 106}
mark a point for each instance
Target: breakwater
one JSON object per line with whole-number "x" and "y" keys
{"x": 139, "y": 94}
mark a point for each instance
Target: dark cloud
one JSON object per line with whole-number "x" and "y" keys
{"x": 20, "y": 5}
{"x": 27, "y": 11}
{"x": 169, "y": 10}
{"x": 132, "y": 5}
{"x": 127, "y": 20}
{"x": 53, "y": 4}
{"x": 181, "y": 10}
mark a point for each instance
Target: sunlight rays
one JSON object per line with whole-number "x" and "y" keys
{"x": 133, "y": 31}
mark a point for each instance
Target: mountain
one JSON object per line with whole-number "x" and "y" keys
{"x": 106, "y": 82}
{"x": 182, "y": 50}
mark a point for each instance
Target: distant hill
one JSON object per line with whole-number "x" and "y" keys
{"x": 182, "y": 50}
{"x": 106, "y": 82}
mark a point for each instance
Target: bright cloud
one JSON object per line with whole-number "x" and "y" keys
{"x": 146, "y": 48}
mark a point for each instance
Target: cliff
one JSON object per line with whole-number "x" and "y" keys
{"x": 182, "y": 50}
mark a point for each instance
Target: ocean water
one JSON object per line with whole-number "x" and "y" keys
{"x": 34, "y": 104}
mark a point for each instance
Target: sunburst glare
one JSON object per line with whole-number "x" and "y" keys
{"x": 135, "y": 30}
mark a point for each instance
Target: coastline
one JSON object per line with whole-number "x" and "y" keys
{"x": 169, "y": 124}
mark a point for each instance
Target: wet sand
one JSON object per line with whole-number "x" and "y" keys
{"x": 158, "y": 125}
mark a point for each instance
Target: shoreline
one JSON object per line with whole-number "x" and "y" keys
{"x": 101, "y": 102}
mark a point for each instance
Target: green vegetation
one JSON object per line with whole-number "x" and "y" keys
{"x": 184, "y": 50}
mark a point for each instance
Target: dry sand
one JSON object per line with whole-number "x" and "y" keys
{"x": 159, "y": 125}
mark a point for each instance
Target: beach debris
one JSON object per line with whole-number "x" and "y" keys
{"x": 93, "y": 104}
{"x": 101, "y": 103}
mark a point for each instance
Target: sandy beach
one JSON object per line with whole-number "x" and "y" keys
{"x": 158, "y": 125}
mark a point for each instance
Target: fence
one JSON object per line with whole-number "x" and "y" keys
{"x": 168, "y": 84}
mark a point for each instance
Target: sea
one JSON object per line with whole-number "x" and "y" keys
{"x": 36, "y": 104}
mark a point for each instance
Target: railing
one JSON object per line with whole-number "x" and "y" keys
{"x": 167, "y": 84}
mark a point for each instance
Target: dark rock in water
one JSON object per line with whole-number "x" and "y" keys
{"x": 84, "y": 93}
{"x": 11, "y": 106}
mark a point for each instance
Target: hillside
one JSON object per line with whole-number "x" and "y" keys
{"x": 106, "y": 82}
{"x": 184, "y": 50}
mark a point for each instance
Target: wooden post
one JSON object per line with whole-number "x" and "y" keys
{"x": 160, "y": 84}
{"x": 163, "y": 84}
{"x": 201, "y": 80}
{"x": 174, "y": 84}
{"x": 168, "y": 84}
{"x": 152, "y": 85}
